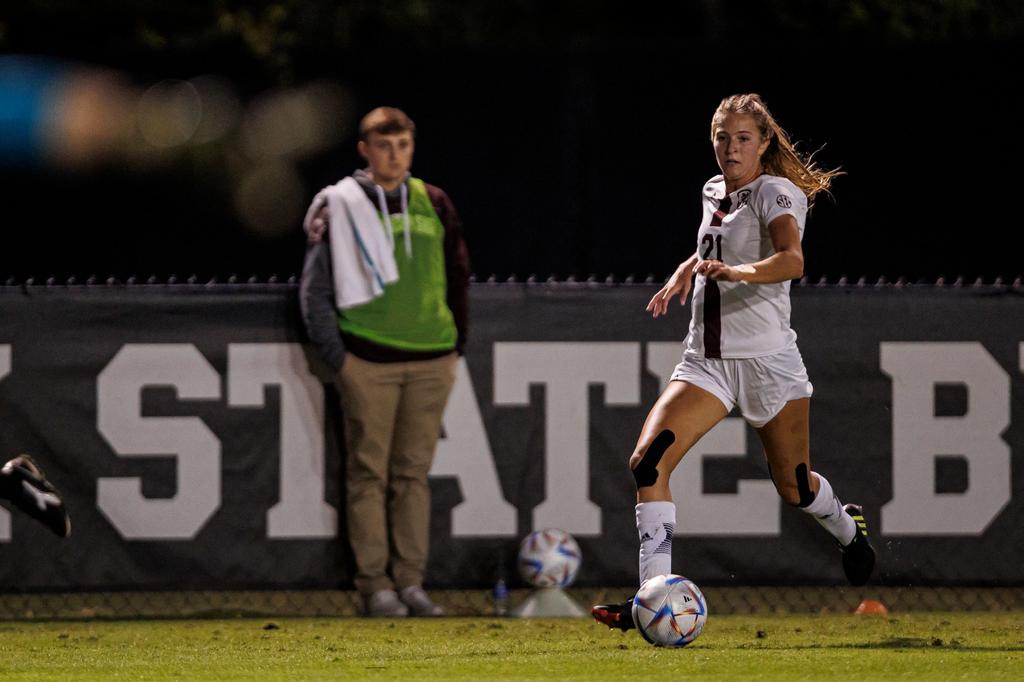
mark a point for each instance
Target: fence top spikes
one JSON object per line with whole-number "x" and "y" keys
{"x": 292, "y": 279}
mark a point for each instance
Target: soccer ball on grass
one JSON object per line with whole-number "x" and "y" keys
{"x": 669, "y": 610}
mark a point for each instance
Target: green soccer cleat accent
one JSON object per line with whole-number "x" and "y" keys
{"x": 859, "y": 555}
{"x": 615, "y": 616}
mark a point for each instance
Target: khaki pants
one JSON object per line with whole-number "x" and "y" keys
{"x": 392, "y": 416}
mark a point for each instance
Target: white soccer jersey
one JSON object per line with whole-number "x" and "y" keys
{"x": 737, "y": 319}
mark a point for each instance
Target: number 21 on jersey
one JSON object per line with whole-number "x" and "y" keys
{"x": 712, "y": 245}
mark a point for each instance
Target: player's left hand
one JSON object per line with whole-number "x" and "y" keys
{"x": 718, "y": 271}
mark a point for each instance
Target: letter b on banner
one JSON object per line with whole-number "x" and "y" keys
{"x": 918, "y": 437}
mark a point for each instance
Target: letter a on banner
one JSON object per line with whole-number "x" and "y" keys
{"x": 465, "y": 454}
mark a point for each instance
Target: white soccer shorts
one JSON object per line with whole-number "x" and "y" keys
{"x": 760, "y": 386}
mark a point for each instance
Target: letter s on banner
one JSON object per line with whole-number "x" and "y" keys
{"x": 187, "y": 439}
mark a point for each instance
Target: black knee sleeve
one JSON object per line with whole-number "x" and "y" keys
{"x": 803, "y": 486}
{"x": 646, "y": 471}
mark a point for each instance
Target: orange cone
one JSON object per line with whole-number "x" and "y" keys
{"x": 869, "y": 607}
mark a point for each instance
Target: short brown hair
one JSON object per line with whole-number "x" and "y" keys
{"x": 385, "y": 121}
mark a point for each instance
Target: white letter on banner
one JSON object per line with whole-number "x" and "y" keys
{"x": 5, "y": 516}
{"x": 567, "y": 370}
{"x": 465, "y": 454}
{"x": 302, "y": 511}
{"x": 918, "y": 436}
{"x": 755, "y": 507}
{"x": 195, "y": 448}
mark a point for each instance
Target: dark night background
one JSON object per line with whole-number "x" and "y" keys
{"x": 572, "y": 136}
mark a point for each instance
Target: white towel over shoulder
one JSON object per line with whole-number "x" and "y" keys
{"x": 362, "y": 248}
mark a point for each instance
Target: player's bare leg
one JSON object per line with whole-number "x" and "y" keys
{"x": 682, "y": 415}
{"x": 786, "y": 441}
{"x": 686, "y": 412}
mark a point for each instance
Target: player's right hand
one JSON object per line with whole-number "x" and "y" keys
{"x": 679, "y": 283}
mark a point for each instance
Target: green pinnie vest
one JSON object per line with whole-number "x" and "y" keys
{"x": 413, "y": 312}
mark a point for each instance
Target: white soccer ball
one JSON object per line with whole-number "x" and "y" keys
{"x": 669, "y": 610}
{"x": 549, "y": 558}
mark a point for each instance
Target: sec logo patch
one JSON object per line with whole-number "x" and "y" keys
{"x": 783, "y": 201}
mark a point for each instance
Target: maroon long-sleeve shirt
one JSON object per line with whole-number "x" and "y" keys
{"x": 316, "y": 290}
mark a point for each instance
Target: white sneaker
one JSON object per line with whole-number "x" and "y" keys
{"x": 385, "y": 604}
{"x": 419, "y": 603}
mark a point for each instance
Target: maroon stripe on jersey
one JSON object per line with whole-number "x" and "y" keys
{"x": 713, "y": 296}
{"x": 724, "y": 206}
{"x": 712, "y": 320}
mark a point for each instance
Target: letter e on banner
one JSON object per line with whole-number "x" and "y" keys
{"x": 754, "y": 509}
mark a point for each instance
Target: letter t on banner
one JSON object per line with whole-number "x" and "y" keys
{"x": 566, "y": 370}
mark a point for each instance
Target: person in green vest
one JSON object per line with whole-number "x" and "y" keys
{"x": 384, "y": 299}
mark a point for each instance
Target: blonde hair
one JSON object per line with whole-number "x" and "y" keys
{"x": 781, "y": 158}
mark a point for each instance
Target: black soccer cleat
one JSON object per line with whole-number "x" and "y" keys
{"x": 24, "y": 484}
{"x": 859, "y": 555}
{"x": 615, "y": 616}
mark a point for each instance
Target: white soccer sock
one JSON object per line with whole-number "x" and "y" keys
{"x": 655, "y": 523}
{"x": 828, "y": 511}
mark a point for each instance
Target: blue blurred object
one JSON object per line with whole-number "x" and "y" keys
{"x": 500, "y": 597}
{"x": 29, "y": 92}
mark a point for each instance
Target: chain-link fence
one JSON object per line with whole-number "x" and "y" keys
{"x": 479, "y": 603}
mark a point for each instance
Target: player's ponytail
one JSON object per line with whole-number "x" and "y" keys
{"x": 781, "y": 158}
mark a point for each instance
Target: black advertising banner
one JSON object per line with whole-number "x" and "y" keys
{"x": 196, "y": 438}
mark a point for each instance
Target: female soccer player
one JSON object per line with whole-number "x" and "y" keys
{"x": 741, "y": 351}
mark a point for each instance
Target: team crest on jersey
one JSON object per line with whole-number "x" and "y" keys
{"x": 783, "y": 201}
{"x": 742, "y": 197}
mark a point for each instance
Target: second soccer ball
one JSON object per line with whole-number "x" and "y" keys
{"x": 549, "y": 558}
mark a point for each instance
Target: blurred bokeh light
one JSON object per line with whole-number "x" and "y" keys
{"x": 295, "y": 122}
{"x": 74, "y": 116}
{"x": 169, "y": 113}
{"x": 271, "y": 198}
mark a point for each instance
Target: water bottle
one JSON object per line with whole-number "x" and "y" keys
{"x": 500, "y": 597}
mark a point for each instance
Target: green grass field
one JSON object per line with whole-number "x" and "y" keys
{"x": 912, "y": 646}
